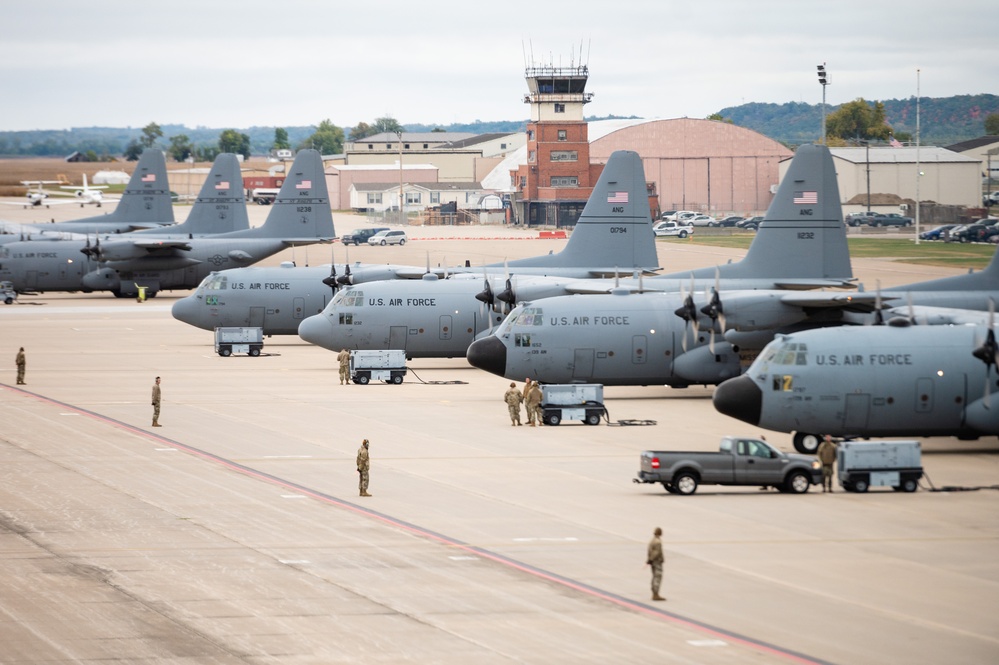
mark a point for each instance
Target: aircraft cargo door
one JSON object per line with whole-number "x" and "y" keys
{"x": 397, "y": 337}
{"x": 858, "y": 408}
{"x": 582, "y": 364}
{"x": 256, "y": 317}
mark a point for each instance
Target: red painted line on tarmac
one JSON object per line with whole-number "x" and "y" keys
{"x": 621, "y": 601}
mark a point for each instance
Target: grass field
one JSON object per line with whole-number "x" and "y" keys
{"x": 936, "y": 253}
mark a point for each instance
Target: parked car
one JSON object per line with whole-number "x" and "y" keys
{"x": 857, "y": 218}
{"x": 976, "y": 232}
{"x": 676, "y": 229}
{"x": 990, "y": 199}
{"x": 680, "y": 215}
{"x": 750, "y": 223}
{"x": 889, "y": 219}
{"x": 700, "y": 220}
{"x": 388, "y": 238}
{"x": 937, "y": 233}
{"x": 361, "y": 236}
{"x": 665, "y": 215}
{"x": 731, "y": 220}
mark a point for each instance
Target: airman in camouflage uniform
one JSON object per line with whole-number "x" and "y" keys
{"x": 156, "y": 403}
{"x": 513, "y": 399}
{"x": 827, "y": 455}
{"x": 20, "y": 362}
{"x": 344, "y": 358}
{"x": 363, "y": 464}
{"x": 534, "y": 405}
{"x": 655, "y": 559}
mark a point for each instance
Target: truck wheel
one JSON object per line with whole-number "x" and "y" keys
{"x": 592, "y": 418}
{"x": 225, "y": 352}
{"x": 396, "y": 379}
{"x": 805, "y": 443}
{"x": 682, "y": 234}
{"x": 254, "y": 351}
{"x": 8, "y": 301}
{"x": 909, "y": 485}
{"x": 670, "y": 488}
{"x": 685, "y": 483}
{"x": 552, "y": 419}
{"x": 362, "y": 379}
{"x": 797, "y": 482}
{"x": 860, "y": 484}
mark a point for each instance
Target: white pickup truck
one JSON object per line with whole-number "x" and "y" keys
{"x": 678, "y": 229}
{"x": 739, "y": 461}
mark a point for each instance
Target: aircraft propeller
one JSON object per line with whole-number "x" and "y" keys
{"x": 331, "y": 280}
{"x": 507, "y": 295}
{"x": 344, "y": 279}
{"x": 988, "y": 353}
{"x": 688, "y": 311}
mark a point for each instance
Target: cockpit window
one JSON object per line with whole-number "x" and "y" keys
{"x": 789, "y": 353}
{"x": 349, "y": 298}
{"x": 531, "y": 316}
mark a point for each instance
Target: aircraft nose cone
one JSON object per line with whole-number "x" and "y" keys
{"x": 317, "y": 330}
{"x": 740, "y": 398}
{"x": 489, "y": 354}
{"x": 185, "y": 310}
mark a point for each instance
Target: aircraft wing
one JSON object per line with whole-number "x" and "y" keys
{"x": 811, "y": 284}
{"x": 858, "y": 302}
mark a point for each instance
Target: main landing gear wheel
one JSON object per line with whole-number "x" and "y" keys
{"x": 805, "y": 443}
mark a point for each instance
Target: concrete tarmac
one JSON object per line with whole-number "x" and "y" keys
{"x": 235, "y": 534}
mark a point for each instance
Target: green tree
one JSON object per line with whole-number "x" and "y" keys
{"x": 361, "y": 131}
{"x": 720, "y": 118}
{"x": 180, "y": 147}
{"x": 992, "y": 124}
{"x": 232, "y": 141}
{"x": 281, "y": 139}
{"x": 91, "y": 155}
{"x": 387, "y": 124}
{"x": 327, "y": 139}
{"x": 858, "y": 120}
{"x": 150, "y": 133}
{"x": 206, "y": 153}
{"x": 133, "y": 150}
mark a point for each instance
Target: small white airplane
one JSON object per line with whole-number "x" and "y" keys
{"x": 89, "y": 193}
{"x": 36, "y": 196}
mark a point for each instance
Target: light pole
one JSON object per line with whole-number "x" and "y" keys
{"x": 402, "y": 200}
{"x": 823, "y": 81}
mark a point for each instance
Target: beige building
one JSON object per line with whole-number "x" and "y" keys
{"x": 340, "y": 178}
{"x": 383, "y": 196}
{"x": 947, "y": 177}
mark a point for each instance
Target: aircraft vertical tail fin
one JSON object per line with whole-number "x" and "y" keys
{"x": 221, "y": 204}
{"x": 615, "y": 228}
{"x": 146, "y": 199}
{"x": 302, "y": 207}
{"x": 803, "y": 234}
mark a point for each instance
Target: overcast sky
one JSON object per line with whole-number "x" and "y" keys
{"x": 223, "y": 63}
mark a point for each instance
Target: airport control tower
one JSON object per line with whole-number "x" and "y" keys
{"x": 557, "y": 180}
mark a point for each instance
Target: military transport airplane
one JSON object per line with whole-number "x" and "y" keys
{"x": 674, "y": 339}
{"x": 145, "y": 204}
{"x": 301, "y": 215}
{"x": 441, "y": 319}
{"x": 614, "y": 230}
{"x": 871, "y": 381}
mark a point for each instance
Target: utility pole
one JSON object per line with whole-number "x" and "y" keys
{"x": 919, "y": 174}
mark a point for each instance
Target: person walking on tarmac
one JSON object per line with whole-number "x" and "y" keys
{"x": 363, "y": 465}
{"x": 513, "y": 399}
{"x": 827, "y": 455}
{"x": 344, "y": 358}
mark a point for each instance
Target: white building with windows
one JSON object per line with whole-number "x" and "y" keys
{"x": 382, "y": 196}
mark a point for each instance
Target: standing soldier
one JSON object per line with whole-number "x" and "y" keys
{"x": 534, "y": 405}
{"x": 344, "y": 358}
{"x": 363, "y": 464}
{"x": 655, "y": 559}
{"x": 513, "y": 398}
{"x": 20, "y": 362}
{"x": 827, "y": 455}
{"x": 156, "y": 403}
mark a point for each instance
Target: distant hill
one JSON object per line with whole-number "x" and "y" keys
{"x": 943, "y": 121}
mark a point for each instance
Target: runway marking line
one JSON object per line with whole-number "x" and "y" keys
{"x": 640, "y": 608}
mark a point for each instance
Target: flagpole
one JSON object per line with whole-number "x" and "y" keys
{"x": 917, "y": 156}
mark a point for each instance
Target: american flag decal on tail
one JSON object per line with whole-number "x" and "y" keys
{"x": 151, "y": 177}
{"x": 617, "y": 197}
{"x": 222, "y": 185}
{"x": 305, "y": 184}
{"x": 807, "y": 198}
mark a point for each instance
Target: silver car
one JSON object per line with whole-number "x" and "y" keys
{"x": 388, "y": 238}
